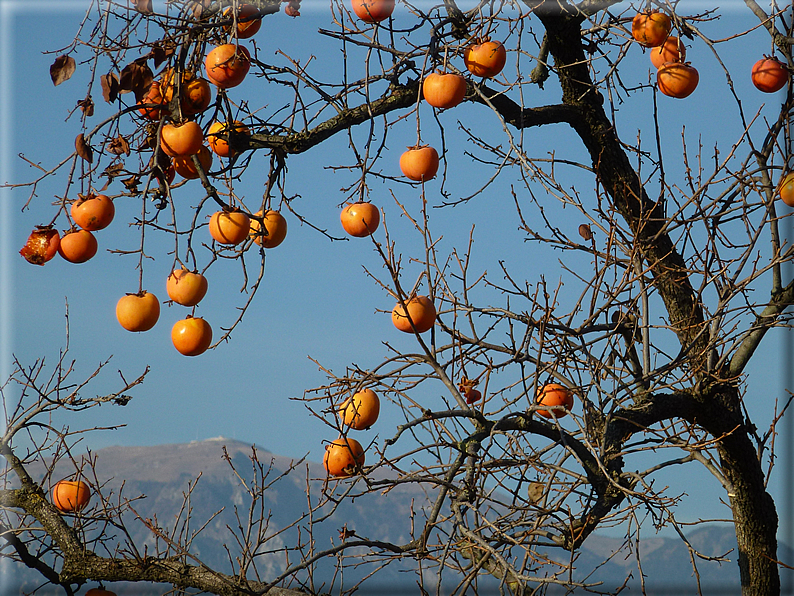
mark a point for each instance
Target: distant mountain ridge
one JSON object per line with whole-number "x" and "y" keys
{"x": 164, "y": 474}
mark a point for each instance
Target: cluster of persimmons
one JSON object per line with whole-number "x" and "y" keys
{"x": 183, "y": 143}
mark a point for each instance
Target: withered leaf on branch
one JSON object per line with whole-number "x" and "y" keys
{"x": 118, "y": 146}
{"x": 62, "y": 69}
{"x": 87, "y": 106}
{"x": 136, "y": 77}
{"x": 143, "y": 6}
{"x": 110, "y": 87}
{"x": 112, "y": 171}
{"x": 161, "y": 51}
{"x": 131, "y": 183}
{"x": 83, "y": 149}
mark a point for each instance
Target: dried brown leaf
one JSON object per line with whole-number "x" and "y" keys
{"x": 136, "y": 77}
{"x": 132, "y": 183}
{"x": 83, "y": 149}
{"x": 62, "y": 69}
{"x": 87, "y": 106}
{"x": 113, "y": 171}
{"x": 110, "y": 87}
{"x": 162, "y": 52}
{"x": 119, "y": 146}
{"x": 143, "y": 6}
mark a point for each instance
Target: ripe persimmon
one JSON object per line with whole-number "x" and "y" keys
{"x": 275, "y": 226}
{"x": 70, "y": 495}
{"x": 227, "y": 65}
{"x": 191, "y": 336}
{"x": 77, "y": 246}
{"x": 444, "y": 90}
{"x": 554, "y": 394}
{"x": 230, "y": 227}
{"x": 360, "y": 411}
{"x": 138, "y": 312}
{"x": 785, "y": 189}
{"x": 343, "y": 457}
{"x": 486, "y": 59}
{"x": 421, "y": 311}
{"x": 373, "y": 11}
{"x": 419, "y": 163}
{"x": 184, "y": 166}
{"x": 651, "y": 28}
{"x": 670, "y": 51}
{"x": 195, "y": 92}
{"x": 153, "y": 96}
{"x": 41, "y": 245}
{"x": 677, "y": 79}
{"x": 181, "y": 139}
{"x": 218, "y": 134}
{"x": 185, "y": 287}
{"x": 360, "y": 219}
{"x": 769, "y": 75}
{"x": 93, "y": 212}
{"x": 247, "y": 28}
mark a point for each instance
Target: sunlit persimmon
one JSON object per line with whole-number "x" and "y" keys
{"x": 195, "y": 92}
{"x": 670, "y": 51}
{"x": 181, "y": 139}
{"x": 343, "y": 457}
{"x": 219, "y": 132}
{"x": 275, "y": 229}
{"x": 421, "y": 311}
{"x": 77, "y": 246}
{"x": 677, "y": 79}
{"x": 554, "y": 394}
{"x": 70, "y": 495}
{"x": 138, "y": 312}
{"x": 41, "y": 245}
{"x": 191, "y": 336}
{"x": 373, "y": 11}
{"x": 245, "y": 28}
{"x": 229, "y": 227}
{"x": 769, "y": 75}
{"x": 651, "y": 28}
{"x": 486, "y": 59}
{"x": 185, "y": 287}
{"x": 785, "y": 189}
{"x": 360, "y": 219}
{"x": 153, "y": 96}
{"x": 361, "y": 410}
{"x": 185, "y": 167}
{"x": 444, "y": 90}
{"x": 227, "y": 65}
{"x": 419, "y": 163}
{"x": 93, "y": 212}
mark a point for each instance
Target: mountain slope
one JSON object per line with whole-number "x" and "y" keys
{"x": 160, "y": 482}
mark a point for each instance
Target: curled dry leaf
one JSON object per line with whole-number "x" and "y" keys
{"x": 136, "y": 77}
{"x": 118, "y": 146}
{"x": 62, "y": 69}
{"x": 83, "y": 149}
{"x": 143, "y": 6}
{"x": 87, "y": 106}
{"x": 110, "y": 87}
{"x": 162, "y": 51}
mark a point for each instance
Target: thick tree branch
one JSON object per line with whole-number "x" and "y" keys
{"x": 764, "y": 321}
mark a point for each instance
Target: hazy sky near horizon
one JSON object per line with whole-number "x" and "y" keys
{"x": 317, "y": 304}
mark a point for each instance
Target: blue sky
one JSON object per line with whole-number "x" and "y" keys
{"x": 317, "y": 302}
